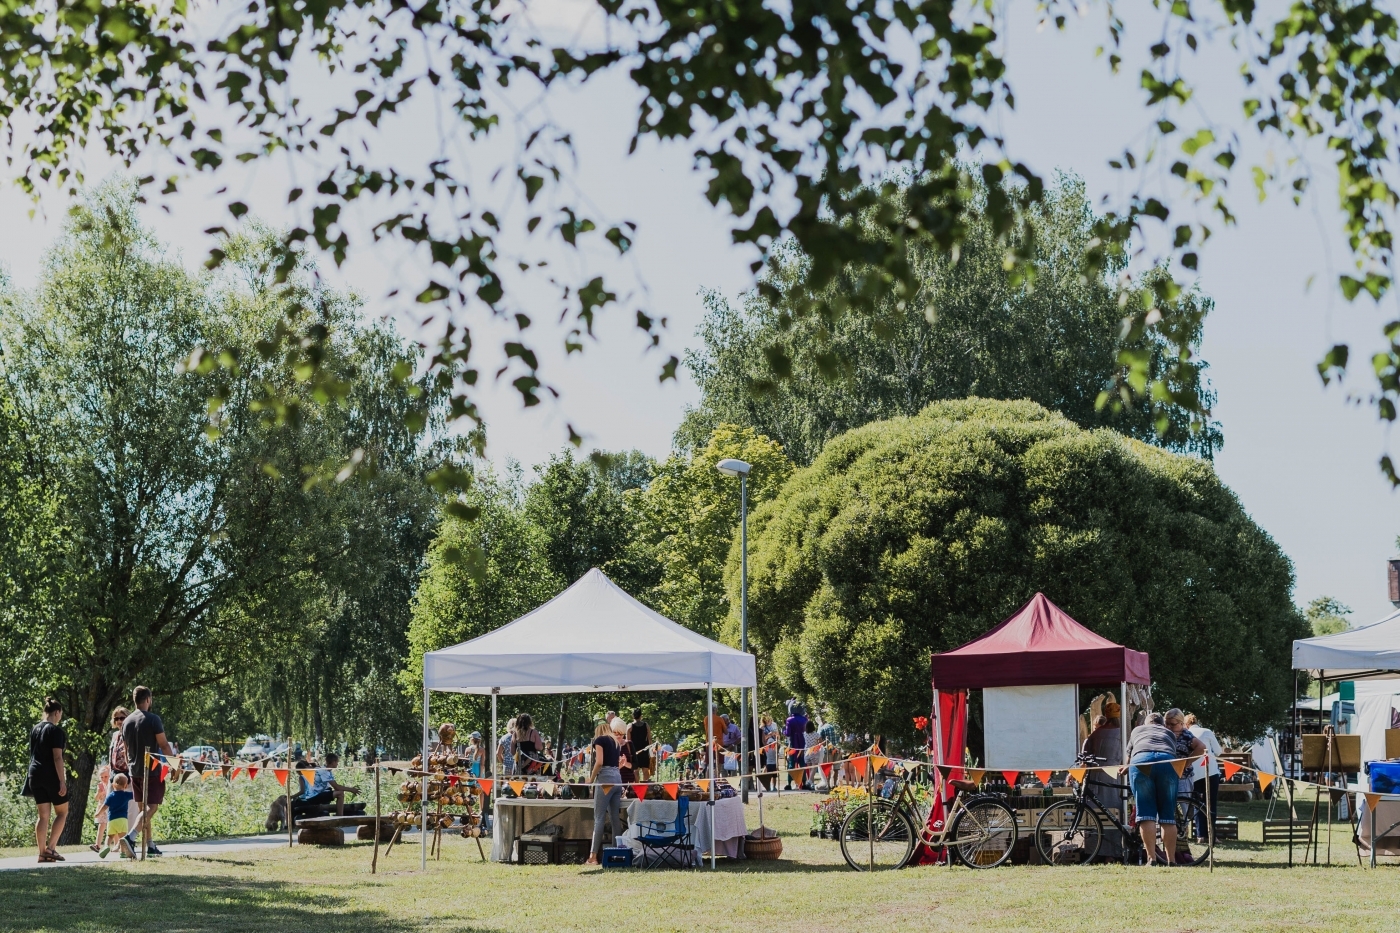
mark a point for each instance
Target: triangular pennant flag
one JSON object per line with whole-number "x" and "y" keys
{"x": 452, "y": 780}
{"x": 879, "y": 761}
{"x": 517, "y": 786}
{"x": 1077, "y": 774}
{"x": 826, "y": 770}
{"x": 1229, "y": 767}
{"x": 704, "y": 785}
{"x": 211, "y": 773}
{"x": 1043, "y": 776}
{"x": 1265, "y": 780}
{"x": 1179, "y": 766}
{"x": 672, "y": 789}
{"x": 198, "y": 766}
{"x": 976, "y": 776}
{"x": 281, "y": 775}
{"x": 252, "y": 772}
{"x": 1371, "y": 801}
{"x": 225, "y": 770}
{"x": 861, "y": 765}
{"x": 308, "y": 775}
{"x": 164, "y": 770}
{"x": 485, "y": 784}
{"x": 157, "y": 763}
{"x": 234, "y": 773}
{"x": 1011, "y": 777}
{"x": 640, "y": 790}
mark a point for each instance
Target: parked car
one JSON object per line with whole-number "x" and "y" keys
{"x": 201, "y": 753}
{"x": 257, "y": 746}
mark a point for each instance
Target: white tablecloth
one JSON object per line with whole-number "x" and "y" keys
{"x": 515, "y": 816}
{"x": 725, "y": 821}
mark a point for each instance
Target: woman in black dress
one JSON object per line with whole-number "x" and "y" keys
{"x": 639, "y": 734}
{"x": 47, "y": 781}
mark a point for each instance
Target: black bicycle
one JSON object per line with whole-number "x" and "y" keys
{"x": 1071, "y": 831}
{"x": 979, "y": 830}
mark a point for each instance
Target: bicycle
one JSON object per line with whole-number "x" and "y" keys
{"x": 1070, "y": 831}
{"x": 979, "y": 830}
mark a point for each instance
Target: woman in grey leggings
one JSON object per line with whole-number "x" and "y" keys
{"x": 608, "y": 798}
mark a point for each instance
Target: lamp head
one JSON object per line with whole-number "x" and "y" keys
{"x": 733, "y": 467}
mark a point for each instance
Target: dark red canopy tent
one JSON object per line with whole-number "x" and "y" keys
{"x": 1040, "y": 644}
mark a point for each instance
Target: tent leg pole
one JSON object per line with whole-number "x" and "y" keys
{"x": 936, "y": 740}
{"x": 710, "y": 757}
{"x": 423, "y": 797}
{"x": 495, "y": 777}
{"x": 1125, "y": 720}
{"x": 758, "y": 762}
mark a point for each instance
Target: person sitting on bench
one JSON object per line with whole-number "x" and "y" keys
{"x": 324, "y": 788}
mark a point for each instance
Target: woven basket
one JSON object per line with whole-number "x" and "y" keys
{"x": 765, "y": 848}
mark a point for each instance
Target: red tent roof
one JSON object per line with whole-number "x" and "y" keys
{"x": 1040, "y": 644}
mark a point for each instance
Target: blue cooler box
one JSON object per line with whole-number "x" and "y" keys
{"x": 620, "y": 857}
{"x": 1385, "y": 776}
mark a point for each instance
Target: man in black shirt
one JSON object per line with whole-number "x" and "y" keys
{"x": 144, "y": 733}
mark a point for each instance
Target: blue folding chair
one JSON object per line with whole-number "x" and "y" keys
{"x": 670, "y": 842}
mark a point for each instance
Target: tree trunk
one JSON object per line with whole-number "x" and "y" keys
{"x": 79, "y": 787}
{"x": 316, "y": 723}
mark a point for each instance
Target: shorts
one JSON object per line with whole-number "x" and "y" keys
{"x": 117, "y": 827}
{"x": 50, "y": 794}
{"x": 1154, "y": 788}
{"x": 153, "y": 795}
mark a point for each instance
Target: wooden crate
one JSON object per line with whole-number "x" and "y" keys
{"x": 1227, "y": 828}
{"x": 1277, "y": 832}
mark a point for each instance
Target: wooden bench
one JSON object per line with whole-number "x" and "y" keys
{"x": 326, "y": 830}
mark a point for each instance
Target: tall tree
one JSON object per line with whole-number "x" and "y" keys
{"x": 1327, "y": 616}
{"x": 1055, "y": 339}
{"x": 196, "y": 540}
{"x": 918, "y": 534}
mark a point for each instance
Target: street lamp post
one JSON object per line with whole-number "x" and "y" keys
{"x": 741, "y": 469}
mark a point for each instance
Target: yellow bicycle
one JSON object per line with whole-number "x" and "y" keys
{"x": 979, "y": 829}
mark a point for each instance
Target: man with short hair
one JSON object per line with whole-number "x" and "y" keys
{"x": 143, "y": 733}
{"x": 324, "y": 787}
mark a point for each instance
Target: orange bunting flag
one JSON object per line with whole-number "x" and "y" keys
{"x": 1179, "y": 766}
{"x": 861, "y": 765}
{"x": 164, "y": 771}
{"x": 1043, "y": 776}
{"x": 1265, "y": 780}
{"x": 517, "y": 786}
{"x": 672, "y": 790}
{"x": 704, "y": 785}
{"x": 281, "y": 775}
{"x": 640, "y": 790}
{"x": 1229, "y": 767}
{"x": 252, "y": 772}
{"x": 1077, "y": 774}
{"x": 976, "y": 776}
{"x": 234, "y": 773}
{"x": 879, "y": 761}
{"x": 208, "y": 774}
{"x": 1011, "y": 777}
{"x": 1371, "y": 801}
{"x": 308, "y": 775}
{"x": 486, "y": 784}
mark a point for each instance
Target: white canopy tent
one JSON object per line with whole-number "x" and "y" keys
{"x": 593, "y": 637}
{"x": 1370, "y": 655}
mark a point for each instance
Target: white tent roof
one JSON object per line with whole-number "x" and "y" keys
{"x": 591, "y": 637}
{"x": 1370, "y": 651}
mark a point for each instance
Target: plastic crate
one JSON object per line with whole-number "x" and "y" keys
{"x": 620, "y": 857}
{"x": 573, "y": 851}
{"x": 536, "y": 853}
{"x": 1385, "y": 776}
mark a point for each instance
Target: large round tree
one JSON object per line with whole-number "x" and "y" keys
{"x": 918, "y": 534}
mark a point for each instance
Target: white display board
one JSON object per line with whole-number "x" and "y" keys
{"x": 1031, "y": 727}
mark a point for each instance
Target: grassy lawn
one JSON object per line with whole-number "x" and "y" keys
{"x": 809, "y": 890}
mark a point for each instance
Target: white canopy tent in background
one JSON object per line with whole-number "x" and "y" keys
{"x": 591, "y": 638}
{"x": 1370, "y": 656}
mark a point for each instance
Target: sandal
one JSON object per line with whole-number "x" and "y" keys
{"x": 95, "y": 847}
{"x": 54, "y": 856}
{"x": 45, "y": 858}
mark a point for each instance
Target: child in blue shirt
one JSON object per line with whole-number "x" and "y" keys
{"x": 116, "y": 804}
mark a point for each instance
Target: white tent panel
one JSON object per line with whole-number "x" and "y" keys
{"x": 1372, "y": 650}
{"x": 592, "y": 637}
{"x": 1031, "y": 727}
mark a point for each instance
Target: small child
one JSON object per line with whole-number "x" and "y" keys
{"x": 104, "y": 784}
{"x": 115, "y": 807}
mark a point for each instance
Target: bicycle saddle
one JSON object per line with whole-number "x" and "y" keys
{"x": 962, "y": 787}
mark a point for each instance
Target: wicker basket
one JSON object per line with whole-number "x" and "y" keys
{"x": 765, "y": 847}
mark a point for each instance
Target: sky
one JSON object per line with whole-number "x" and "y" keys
{"x": 1301, "y": 457}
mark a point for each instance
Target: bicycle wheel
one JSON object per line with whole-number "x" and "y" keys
{"x": 983, "y": 833}
{"x": 877, "y": 836}
{"x": 1068, "y": 833}
{"x": 1191, "y": 848}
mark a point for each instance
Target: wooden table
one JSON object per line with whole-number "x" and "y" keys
{"x": 326, "y": 830}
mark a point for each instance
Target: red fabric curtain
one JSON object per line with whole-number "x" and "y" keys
{"x": 951, "y": 737}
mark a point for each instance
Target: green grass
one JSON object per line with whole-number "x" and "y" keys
{"x": 330, "y": 890}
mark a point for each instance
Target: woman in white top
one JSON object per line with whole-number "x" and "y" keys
{"x": 1210, "y": 782}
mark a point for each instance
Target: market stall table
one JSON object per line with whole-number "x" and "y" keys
{"x": 518, "y": 815}
{"x": 724, "y": 820}
{"x": 1387, "y": 826}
